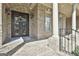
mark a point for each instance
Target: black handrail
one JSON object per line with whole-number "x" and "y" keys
{"x": 65, "y": 37}
{"x": 69, "y": 29}
{"x": 75, "y": 30}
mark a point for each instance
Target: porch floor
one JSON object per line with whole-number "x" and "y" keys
{"x": 37, "y": 48}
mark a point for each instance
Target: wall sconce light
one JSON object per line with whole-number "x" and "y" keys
{"x": 32, "y": 15}
{"x": 7, "y": 11}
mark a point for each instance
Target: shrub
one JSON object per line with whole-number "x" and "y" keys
{"x": 76, "y": 51}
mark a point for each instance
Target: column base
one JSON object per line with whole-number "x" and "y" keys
{"x": 53, "y": 42}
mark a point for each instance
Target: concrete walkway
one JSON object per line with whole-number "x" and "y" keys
{"x": 37, "y": 48}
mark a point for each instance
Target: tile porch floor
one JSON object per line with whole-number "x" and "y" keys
{"x": 37, "y": 48}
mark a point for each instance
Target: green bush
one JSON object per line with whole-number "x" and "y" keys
{"x": 76, "y": 51}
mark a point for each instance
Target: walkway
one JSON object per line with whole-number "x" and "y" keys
{"x": 37, "y": 48}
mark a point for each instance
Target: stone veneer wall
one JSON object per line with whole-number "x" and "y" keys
{"x": 7, "y": 18}
{"x": 68, "y": 25}
{"x": 0, "y": 24}
{"x": 36, "y": 23}
{"x": 62, "y": 23}
{"x": 42, "y": 13}
{"x": 77, "y": 22}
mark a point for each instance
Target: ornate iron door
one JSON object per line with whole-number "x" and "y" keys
{"x": 20, "y": 24}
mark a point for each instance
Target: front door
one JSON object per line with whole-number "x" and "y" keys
{"x": 20, "y": 24}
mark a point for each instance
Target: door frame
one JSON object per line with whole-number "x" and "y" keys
{"x": 13, "y": 25}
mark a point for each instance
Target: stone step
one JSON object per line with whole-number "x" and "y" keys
{"x": 7, "y": 48}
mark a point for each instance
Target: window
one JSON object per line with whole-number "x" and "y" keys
{"x": 47, "y": 24}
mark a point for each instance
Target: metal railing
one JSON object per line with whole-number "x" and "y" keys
{"x": 67, "y": 40}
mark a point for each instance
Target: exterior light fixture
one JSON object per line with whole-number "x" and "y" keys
{"x": 7, "y": 11}
{"x": 32, "y": 15}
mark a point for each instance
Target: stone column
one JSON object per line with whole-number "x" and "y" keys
{"x": 74, "y": 17}
{"x": 73, "y": 25}
{"x": 0, "y": 24}
{"x": 54, "y": 40}
{"x": 55, "y": 20}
